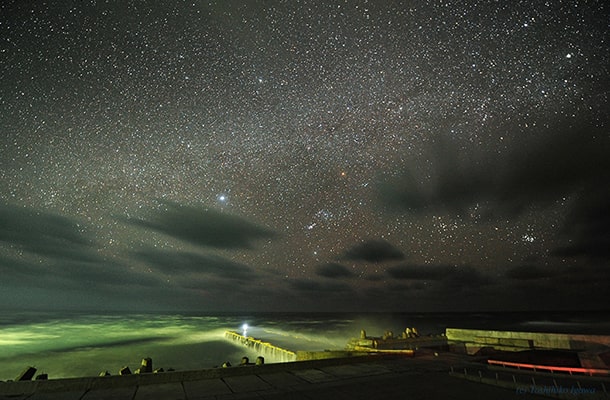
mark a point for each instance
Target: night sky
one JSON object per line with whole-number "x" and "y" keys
{"x": 304, "y": 155}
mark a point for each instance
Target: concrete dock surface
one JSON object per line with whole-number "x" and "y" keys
{"x": 370, "y": 377}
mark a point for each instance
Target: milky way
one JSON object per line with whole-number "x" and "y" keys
{"x": 304, "y": 155}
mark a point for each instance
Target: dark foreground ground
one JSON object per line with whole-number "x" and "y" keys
{"x": 425, "y": 376}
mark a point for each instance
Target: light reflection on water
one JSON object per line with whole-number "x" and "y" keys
{"x": 87, "y": 345}
{"x": 77, "y": 345}
{"x": 73, "y": 345}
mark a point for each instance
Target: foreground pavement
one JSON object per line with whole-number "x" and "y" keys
{"x": 374, "y": 377}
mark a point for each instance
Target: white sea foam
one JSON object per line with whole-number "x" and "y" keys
{"x": 84, "y": 345}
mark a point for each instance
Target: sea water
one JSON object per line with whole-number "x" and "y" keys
{"x": 82, "y": 344}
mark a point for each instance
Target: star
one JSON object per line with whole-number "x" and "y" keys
{"x": 448, "y": 130}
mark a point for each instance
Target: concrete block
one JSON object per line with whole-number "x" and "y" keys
{"x": 117, "y": 393}
{"x": 246, "y": 383}
{"x": 282, "y": 379}
{"x": 591, "y": 360}
{"x": 164, "y": 391}
{"x": 16, "y": 397}
{"x": 27, "y": 374}
{"x": 346, "y": 371}
{"x": 528, "y": 339}
{"x": 67, "y": 395}
{"x": 313, "y": 375}
{"x": 206, "y": 388}
{"x": 146, "y": 366}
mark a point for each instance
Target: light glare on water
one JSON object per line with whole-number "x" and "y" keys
{"x": 77, "y": 345}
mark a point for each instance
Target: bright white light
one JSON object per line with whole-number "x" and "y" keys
{"x": 245, "y": 328}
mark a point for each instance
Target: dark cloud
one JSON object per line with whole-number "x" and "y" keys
{"x": 183, "y": 263}
{"x": 420, "y": 272}
{"x": 527, "y": 272}
{"x": 550, "y": 166}
{"x": 205, "y": 227}
{"x": 518, "y": 288}
{"x": 18, "y": 272}
{"x": 447, "y": 274}
{"x": 42, "y": 253}
{"x": 105, "y": 275}
{"x": 45, "y": 249}
{"x": 453, "y": 184}
{"x": 555, "y": 287}
{"x": 303, "y": 285}
{"x": 559, "y": 277}
{"x": 373, "y": 251}
{"x": 334, "y": 270}
{"x": 44, "y": 234}
{"x": 374, "y": 277}
{"x": 590, "y": 277}
{"x": 561, "y": 162}
{"x": 587, "y": 227}
{"x": 49, "y": 256}
{"x": 316, "y": 295}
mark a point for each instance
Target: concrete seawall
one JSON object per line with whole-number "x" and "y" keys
{"x": 265, "y": 349}
{"x": 196, "y": 383}
{"x": 475, "y": 339}
{"x": 388, "y": 377}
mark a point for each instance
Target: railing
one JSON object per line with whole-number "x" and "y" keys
{"x": 551, "y": 368}
{"x": 526, "y": 381}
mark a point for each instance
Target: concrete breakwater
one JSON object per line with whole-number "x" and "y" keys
{"x": 474, "y": 339}
{"x": 278, "y": 354}
{"x": 265, "y": 349}
{"x": 591, "y": 350}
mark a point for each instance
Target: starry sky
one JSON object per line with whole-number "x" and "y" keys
{"x": 304, "y": 155}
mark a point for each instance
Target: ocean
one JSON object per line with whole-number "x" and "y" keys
{"x": 71, "y": 344}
